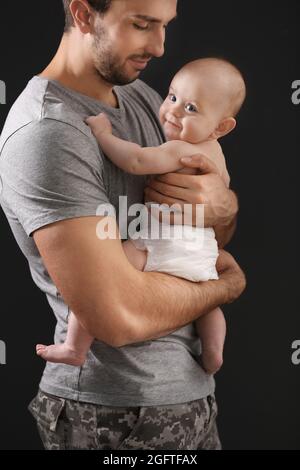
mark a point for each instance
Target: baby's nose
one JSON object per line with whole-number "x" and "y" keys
{"x": 176, "y": 111}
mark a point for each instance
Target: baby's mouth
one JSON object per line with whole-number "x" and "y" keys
{"x": 173, "y": 124}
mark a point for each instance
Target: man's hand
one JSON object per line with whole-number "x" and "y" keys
{"x": 207, "y": 187}
{"x": 230, "y": 272}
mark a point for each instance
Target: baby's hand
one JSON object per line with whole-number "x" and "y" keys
{"x": 99, "y": 124}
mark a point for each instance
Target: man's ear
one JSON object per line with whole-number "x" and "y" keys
{"x": 81, "y": 12}
{"x": 225, "y": 126}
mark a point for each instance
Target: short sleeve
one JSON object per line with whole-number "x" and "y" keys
{"x": 51, "y": 171}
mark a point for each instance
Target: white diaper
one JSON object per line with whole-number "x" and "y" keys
{"x": 190, "y": 252}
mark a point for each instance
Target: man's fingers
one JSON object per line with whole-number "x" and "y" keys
{"x": 201, "y": 163}
{"x": 180, "y": 180}
{"x": 168, "y": 190}
{"x": 174, "y": 179}
{"x": 155, "y": 196}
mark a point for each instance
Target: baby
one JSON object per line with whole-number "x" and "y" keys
{"x": 203, "y": 101}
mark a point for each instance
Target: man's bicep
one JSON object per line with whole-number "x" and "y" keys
{"x": 88, "y": 272}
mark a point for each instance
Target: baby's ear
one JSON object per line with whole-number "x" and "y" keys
{"x": 225, "y": 126}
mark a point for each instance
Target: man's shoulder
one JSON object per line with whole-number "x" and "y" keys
{"x": 38, "y": 114}
{"x": 44, "y": 134}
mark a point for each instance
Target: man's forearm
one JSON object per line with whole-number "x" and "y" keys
{"x": 163, "y": 304}
{"x": 224, "y": 233}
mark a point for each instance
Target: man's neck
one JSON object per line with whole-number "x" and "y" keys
{"x": 72, "y": 71}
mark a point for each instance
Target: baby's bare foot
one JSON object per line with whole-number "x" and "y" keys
{"x": 211, "y": 360}
{"x": 60, "y": 353}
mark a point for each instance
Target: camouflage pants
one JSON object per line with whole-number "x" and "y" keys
{"x": 66, "y": 424}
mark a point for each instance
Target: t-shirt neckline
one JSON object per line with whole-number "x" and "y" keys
{"x": 87, "y": 98}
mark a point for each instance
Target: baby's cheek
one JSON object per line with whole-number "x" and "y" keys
{"x": 191, "y": 133}
{"x": 162, "y": 112}
{"x": 199, "y": 132}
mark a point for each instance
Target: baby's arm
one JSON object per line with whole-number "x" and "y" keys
{"x": 135, "y": 159}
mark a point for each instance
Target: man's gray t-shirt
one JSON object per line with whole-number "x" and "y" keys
{"x": 51, "y": 169}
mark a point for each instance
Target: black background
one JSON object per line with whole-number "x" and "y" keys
{"x": 258, "y": 387}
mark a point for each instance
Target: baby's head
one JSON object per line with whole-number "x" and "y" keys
{"x": 203, "y": 101}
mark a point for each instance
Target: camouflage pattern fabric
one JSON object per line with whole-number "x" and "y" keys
{"x": 66, "y": 424}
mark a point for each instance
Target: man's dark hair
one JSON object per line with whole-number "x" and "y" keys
{"x": 101, "y": 6}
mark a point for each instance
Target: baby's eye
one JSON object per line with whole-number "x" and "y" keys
{"x": 172, "y": 97}
{"x": 191, "y": 108}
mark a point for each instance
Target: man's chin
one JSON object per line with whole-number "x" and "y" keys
{"x": 119, "y": 79}
{"x": 126, "y": 80}
{"x": 133, "y": 77}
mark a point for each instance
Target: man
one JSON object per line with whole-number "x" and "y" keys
{"x": 141, "y": 387}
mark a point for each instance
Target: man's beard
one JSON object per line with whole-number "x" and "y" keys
{"x": 107, "y": 64}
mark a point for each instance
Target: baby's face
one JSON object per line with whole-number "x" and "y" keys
{"x": 193, "y": 108}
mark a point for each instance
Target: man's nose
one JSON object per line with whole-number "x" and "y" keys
{"x": 156, "y": 46}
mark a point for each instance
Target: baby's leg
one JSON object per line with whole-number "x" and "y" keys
{"x": 211, "y": 329}
{"x": 73, "y": 351}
